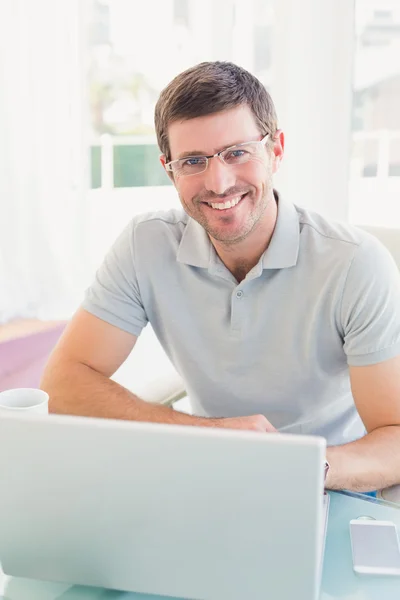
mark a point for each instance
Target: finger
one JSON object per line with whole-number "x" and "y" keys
{"x": 270, "y": 428}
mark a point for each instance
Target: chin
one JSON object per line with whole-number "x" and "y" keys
{"x": 229, "y": 237}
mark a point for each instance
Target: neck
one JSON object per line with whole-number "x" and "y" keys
{"x": 242, "y": 256}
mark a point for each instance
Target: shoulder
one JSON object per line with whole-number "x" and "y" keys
{"x": 149, "y": 233}
{"x": 173, "y": 218}
{"x": 327, "y": 231}
{"x": 163, "y": 226}
{"x": 349, "y": 253}
{"x": 349, "y": 242}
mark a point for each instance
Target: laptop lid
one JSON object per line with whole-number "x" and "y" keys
{"x": 161, "y": 509}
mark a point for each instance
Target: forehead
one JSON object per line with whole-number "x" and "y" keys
{"x": 211, "y": 133}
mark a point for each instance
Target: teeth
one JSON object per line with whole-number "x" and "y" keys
{"x": 227, "y": 204}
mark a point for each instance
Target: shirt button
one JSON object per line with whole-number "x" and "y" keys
{"x": 239, "y": 294}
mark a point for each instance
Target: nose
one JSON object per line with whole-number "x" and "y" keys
{"x": 218, "y": 176}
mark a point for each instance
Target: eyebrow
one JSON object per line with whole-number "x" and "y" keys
{"x": 202, "y": 153}
{"x": 192, "y": 153}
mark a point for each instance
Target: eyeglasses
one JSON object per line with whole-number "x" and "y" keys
{"x": 234, "y": 155}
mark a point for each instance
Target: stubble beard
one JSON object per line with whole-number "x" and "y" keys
{"x": 251, "y": 223}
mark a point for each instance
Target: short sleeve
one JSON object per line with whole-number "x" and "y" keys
{"x": 370, "y": 311}
{"x": 114, "y": 296}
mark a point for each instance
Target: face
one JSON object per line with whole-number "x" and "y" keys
{"x": 248, "y": 185}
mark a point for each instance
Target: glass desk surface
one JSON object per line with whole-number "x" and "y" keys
{"x": 339, "y": 579}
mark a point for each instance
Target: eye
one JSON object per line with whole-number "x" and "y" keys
{"x": 236, "y": 155}
{"x": 193, "y": 161}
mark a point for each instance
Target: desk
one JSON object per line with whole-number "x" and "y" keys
{"x": 339, "y": 580}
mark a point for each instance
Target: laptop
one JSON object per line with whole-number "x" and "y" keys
{"x": 180, "y": 511}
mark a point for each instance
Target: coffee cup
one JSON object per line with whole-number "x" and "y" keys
{"x": 21, "y": 400}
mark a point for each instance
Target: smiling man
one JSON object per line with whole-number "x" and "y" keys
{"x": 277, "y": 319}
{"x": 230, "y": 192}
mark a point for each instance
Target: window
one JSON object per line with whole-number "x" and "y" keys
{"x": 375, "y": 159}
{"x": 129, "y": 65}
{"x": 135, "y": 49}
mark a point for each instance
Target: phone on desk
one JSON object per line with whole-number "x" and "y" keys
{"x": 375, "y": 547}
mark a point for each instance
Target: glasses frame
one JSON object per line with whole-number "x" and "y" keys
{"x": 169, "y": 165}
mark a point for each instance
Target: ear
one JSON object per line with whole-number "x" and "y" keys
{"x": 278, "y": 149}
{"x": 163, "y": 161}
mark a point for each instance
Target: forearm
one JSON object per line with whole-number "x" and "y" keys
{"x": 370, "y": 463}
{"x": 76, "y": 389}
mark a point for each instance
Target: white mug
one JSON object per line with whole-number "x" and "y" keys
{"x": 24, "y": 400}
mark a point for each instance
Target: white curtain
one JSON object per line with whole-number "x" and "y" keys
{"x": 43, "y": 158}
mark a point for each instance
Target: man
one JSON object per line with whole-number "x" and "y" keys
{"x": 276, "y": 318}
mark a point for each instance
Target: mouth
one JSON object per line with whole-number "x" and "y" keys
{"x": 227, "y": 205}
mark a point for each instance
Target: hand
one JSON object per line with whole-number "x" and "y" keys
{"x": 250, "y": 423}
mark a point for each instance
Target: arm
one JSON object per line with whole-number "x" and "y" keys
{"x": 77, "y": 379}
{"x": 372, "y": 462}
{"x": 369, "y": 319}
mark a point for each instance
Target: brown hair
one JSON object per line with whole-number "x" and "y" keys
{"x": 208, "y": 88}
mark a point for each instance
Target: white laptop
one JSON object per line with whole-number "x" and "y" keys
{"x": 186, "y": 512}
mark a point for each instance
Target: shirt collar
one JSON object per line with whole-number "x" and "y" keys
{"x": 283, "y": 248}
{"x": 196, "y": 248}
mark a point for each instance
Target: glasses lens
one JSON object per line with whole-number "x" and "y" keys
{"x": 240, "y": 154}
{"x": 190, "y": 165}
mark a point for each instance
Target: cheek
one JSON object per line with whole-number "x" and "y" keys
{"x": 259, "y": 170}
{"x": 188, "y": 189}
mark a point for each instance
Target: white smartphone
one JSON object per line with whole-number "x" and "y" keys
{"x": 375, "y": 547}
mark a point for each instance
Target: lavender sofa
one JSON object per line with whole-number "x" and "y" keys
{"x": 24, "y": 349}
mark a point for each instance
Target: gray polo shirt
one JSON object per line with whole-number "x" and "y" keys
{"x": 322, "y": 296}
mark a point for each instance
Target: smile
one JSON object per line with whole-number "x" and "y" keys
{"x": 225, "y": 205}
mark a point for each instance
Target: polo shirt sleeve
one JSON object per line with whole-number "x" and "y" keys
{"x": 370, "y": 310}
{"x": 114, "y": 296}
